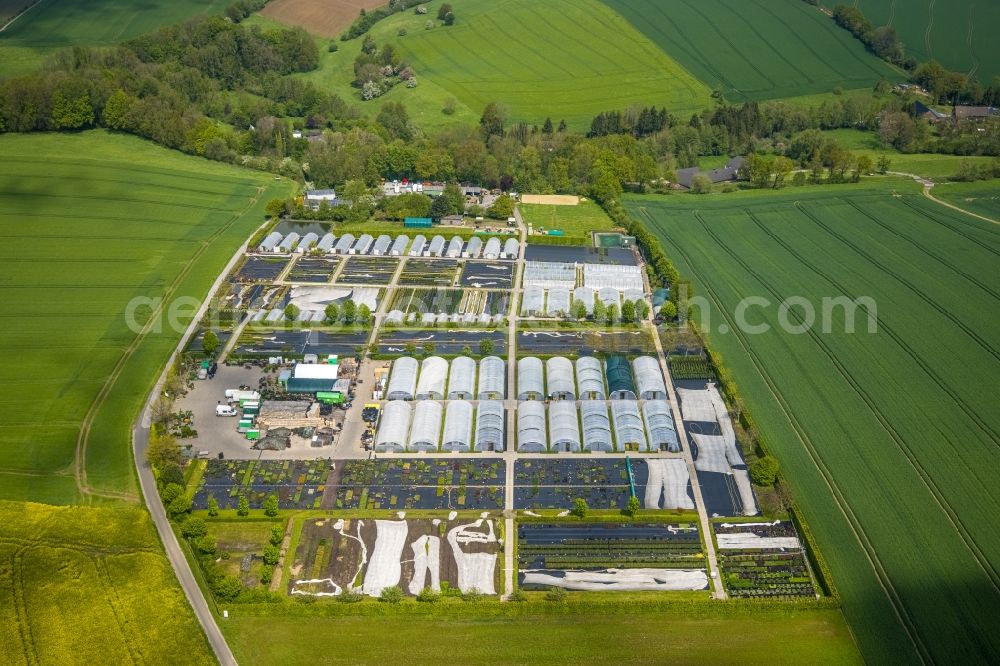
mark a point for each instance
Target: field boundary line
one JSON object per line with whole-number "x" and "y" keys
{"x": 927, "y": 193}
{"x": 20, "y": 14}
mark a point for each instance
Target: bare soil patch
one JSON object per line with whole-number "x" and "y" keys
{"x": 326, "y": 18}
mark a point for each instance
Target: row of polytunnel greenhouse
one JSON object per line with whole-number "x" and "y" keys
{"x": 431, "y": 426}
{"x": 568, "y": 428}
{"x": 561, "y": 301}
{"x": 386, "y": 245}
{"x": 558, "y": 378}
{"x": 435, "y": 379}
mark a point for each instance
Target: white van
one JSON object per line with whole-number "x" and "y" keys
{"x": 225, "y": 410}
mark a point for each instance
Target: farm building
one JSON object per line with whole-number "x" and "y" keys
{"x": 492, "y": 249}
{"x": 363, "y": 244}
{"x": 425, "y": 433}
{"x": 399, "y": 245}
{"x": 433, "y": 373}
{"x": 403, "y": 380}
{"x": 307, "y": 242}
{"x": 619, "y": 373}
{"x": 589, "y": 378}
{"x": 564, "y": 426}
{"x": 585, "y": 295}
{"x": 455, "y": 247}
{"x": 532, "y": 301}
{"x": 492, "y": 379}
{"x": 462, "y": 379}
{"x": 530, "y": 385}
{"x": 558, "y": 302}
{"x": 473, "y": 248}
{"x": 418, "y": 245}
{"x": 511, "y": 248}
{"x": 609, "y": 296}
{"x": 436, "y": 247}
{"x": 312, "y": 377}
{"x": 660, "y": 426}
{"x": 628, "y": 425}
{"x": 489, "y": 426}
{"x": 381, "y": 245}
{"x": 393, "y": 426}
{"x": 325, "y": 243}
{"x": 549, "y": 274}
{"x": 289, "y": 242}
{"x": 727, "y": 173}
{"x": 649, "y": 379}
{"x": 616, "y": 276}
{"x": 270, "y": 244}
{"x": 596, "y": 426}
{"x": 344, "y": 244}
{"x": 457, "y": 427}
{"x": 531, "y": 437}
{"x": 559, "y": 379}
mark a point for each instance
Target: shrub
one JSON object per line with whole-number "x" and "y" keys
{"x": 633, "y": 506}
{"x": 517, "y": 596}
{"x": 401, "y": 32}
{"x": 350, "y": 597}
{"x": 227, "y": 588}
{"x": 556, "y": 594}
{"x": 213, "y": 506}
{"x": 243, "y": 507}
{"x": 193, "y": 528}
{"x": 391, "y": 595}
{"x": 580, "y": 507}
{"x": 271, "y": 554}
{"x": 206, "y": 546}
{"x": 277, "y": 535}
{"x": 473, "y": 595}
{"x": 764, "y": 471}
{"x": 271, "y": 505}
{"x": 266, "y": 575}
{"x": 332, "y": 48}
{"x": 179, "y": 506}
{"x": 428, "y": 595}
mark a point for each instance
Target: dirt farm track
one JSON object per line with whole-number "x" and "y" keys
{"x": 325, "y": 18}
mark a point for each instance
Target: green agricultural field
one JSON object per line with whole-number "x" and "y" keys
{"x": 757, "y": 49}
{"x": 91, "y": 222}
{"x": 565, "y": 59}
{"x": 70, "y": 575}
{"x": 960, "y": 34}
{"x": 576, "y": 221}
{"x": 981, "y": 198}
{"x": 889, "y": 439}
{"x": 927, "y": 165}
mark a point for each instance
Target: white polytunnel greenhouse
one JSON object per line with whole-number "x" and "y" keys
{"x": 596, "y": 425}
{"x": 474, "y": 247}
{"x": 530, "y": 384}
{"x": 558, "y": 302}
{"x": 457, "y": 427}
{"x": 462, "y": 379}
{"x": 649, "y": 379}
{"x": 633, "y": 295}
{"x": 660, "y": 426}
{"x": 418, "y": 245}
{"x": 289, "y": 242}
{"x": 589, "y": 378}
{"x": 559, "y": 378}
{"x": 511, "y": 248}
{"x": 532, "y": 301}
{"x": 492, "y": 249}
{"x": 381, "y": 244}
{"x": 628, "y": 425}
{"x": 489, "y": 426}
{"x": 425, "y": 433}
{"x": 393, "y": 426}
{"x": 307, "y": 242}
{"x": 586, "y": 296}
{"x": 564, "y": 426}
{"x": 325, "y": 243}
{"x": 492, "y": 379}
{"x": 399, "y": 245}
{"x": 531, "y": 427}
{"x": 608, "y": 295}
{"x": 271, "y": 242}
{"x": 428, "y": 318}
{"x": 433, "y": 373}
{"x": 455, "y": 246}
{"x": 403, "y": 379}
{"x": 436, "y": 247}
{"x": 393, "y": 317}
{"x": 549, "y": 274}
{"x": 363, "y": 244}
{"x": 615, "y": 276}
{"x": 344, "y": 244}
{"x": 275, "y": 315}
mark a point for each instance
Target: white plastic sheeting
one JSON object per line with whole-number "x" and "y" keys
{"x": 615, "y": 276}
{"x": 399, "y": 245}
{"x": 633, "y": 295}
{"x": 660, "y": 426}
{"x": 564, "y": 426}
{"x": 381, "y": 244}
{"x": 492, "y": 249}
{"x": 270, "y": 243}
{"x": 307, "y": 242}
{"x": 511, "y": 248}
{"x": 596, "y": 426}
{"x": 473, "y": 248}
{"x": 667, "y": 479}
{"x": 648, "y": 378}
{"x": 531, "y": 436}
{"x": 586, "y": 296}
{"x": 425, "y": 433}
{"x": 363, "y": 244}
{"x": 532, "y": 301}
{"x": 548, "y": 274}
{"x": 344, "y": 244}
{"x": 628, "y": 425}
{"x": 455, "y": 247}
{"x": 711, "y": 453}
{"x": 457, "y": 427}
{"x": 394, "y": 317}
{"x": 436, "y": 246}
{"x": 608, "y": 296}
{"x": 558, "y": 302}
{"x": 462, "y": 379}
{"x": 403, "y": 379}
{"x": 560, "y": 383}
{"x": 433, "y": 373}
{"x": 633, "y": 580}
{"x": 492, "y": 379}
{"x": 325, "y": 243}
{"x": 530, "y": 384}
{"x": 289, "y": 242}
{"x": 418, "y": 245}
{"x": 751, "y": 541}
{"x": 489, "y": 426}
{"x": 393, "y": 426}
{"x": 589, "y": 378}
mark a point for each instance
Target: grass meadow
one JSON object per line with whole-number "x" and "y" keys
{"x": 936, "y": 166}
{"x": 757, "y": 49}
{"x": 889, "y": 440}
{"x": 576, "y": 221}
{"x": 90, "y": 222}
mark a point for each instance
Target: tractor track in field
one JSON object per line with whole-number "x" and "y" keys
{"x": 21, "y": 608}
{"x": 930, "y": 196}
{"x": 968, "y": 41}
{"x": 930, "y": 27}
{"x": 974, "y": 548}
{"x": 106, "y": 388}
{"x": 840, "y": 500}
{"x": 117, "y": 611}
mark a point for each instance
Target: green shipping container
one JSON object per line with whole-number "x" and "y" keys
{"x": 330, "y": 397}
{"x": 556, "y": 232}
{"x": 418, "y": 222}
{"x": 253, "y": 435}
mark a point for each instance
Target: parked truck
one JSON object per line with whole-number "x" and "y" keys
{"x": 241, "y": 395}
